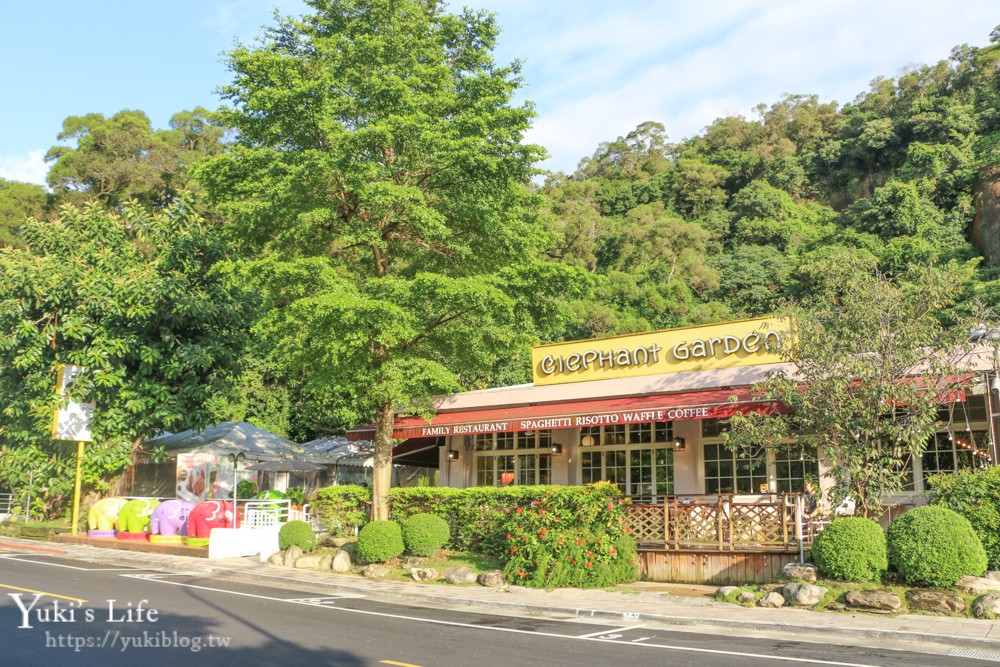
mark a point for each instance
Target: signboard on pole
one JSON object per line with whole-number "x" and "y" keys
{"x": 72, "y": 422}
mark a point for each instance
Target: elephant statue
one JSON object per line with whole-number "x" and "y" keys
{"x": 135, "y": 516}
{"x": 272, "y": 494}
{"x": 210, "y": 514}
{"x": 171, "y": 517}
{"x": 103, "y": 515}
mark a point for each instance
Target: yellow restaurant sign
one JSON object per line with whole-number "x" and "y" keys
{"x": 723, "y": 345}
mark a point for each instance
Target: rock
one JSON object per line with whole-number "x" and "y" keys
{"x": 803, "y": 595}
{"x": 341, "y": 562}
{"x": 411, "y": 562}
{"x": 326, "y": 561}
{"x": 992, "y": 574}
{"x": 277, "y": 558}
{"x": 746, "y": 597}
{"x": 770, "y": 588}
{"x": 339, "y": 542}
{"x": 424, "y": 573}
{"x": 726, "y": 590}
{"x": 977, "y": 585}
{"x": 459, "y": 575}
{"x": 804, "y": 571}
{"x": 773, "y": 599}
{"x": 349, "y": 548}
{"x": 292, "y": 554}
{"x": 376, "y": 571}
{"x": 988, "y": 606}
{"x": 944, "y": 602}
{"x": 836, "y": 606}
{"x": 310, "y": 562}
{"x": 492, "y": 579}
{"x": 870, "y": 600}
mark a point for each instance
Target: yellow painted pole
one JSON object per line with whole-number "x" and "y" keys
{"x": 76, "y": 487}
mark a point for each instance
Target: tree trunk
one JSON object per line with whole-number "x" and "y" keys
{"x": 382, "y": 468}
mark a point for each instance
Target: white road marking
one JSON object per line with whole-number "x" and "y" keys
{"x": 381, "y": 614}
{"x": 607, "y": 632}
{"x": 20, "y": 558}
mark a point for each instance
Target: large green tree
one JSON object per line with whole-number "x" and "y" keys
{"x": 132, "y": 297}
{"x": 380, "y": 164}
{"x": 875, "y": 359}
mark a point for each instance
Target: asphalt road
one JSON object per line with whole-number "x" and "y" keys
{"x": 56, "y": 611}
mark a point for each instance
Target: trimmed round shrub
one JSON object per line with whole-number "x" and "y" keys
{"x": 379, "y": 541}
{"x": 423, "y": 534}
{"x": 851, "y": 549}
{"x": 935, "y": 546}
{"x": 298, "y": 533}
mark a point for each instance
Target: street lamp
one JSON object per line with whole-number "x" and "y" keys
{"x": 236, "y": 459}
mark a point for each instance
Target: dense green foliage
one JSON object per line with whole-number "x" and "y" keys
{"x": 296, "y": 495}
{"x": 379, "y": 541}
{"x": 245, "y": 489}
{"x": 342, "y": 509}
{"x": 571, "y": 537}
{"x": 423, "y": 534}
{"x": 18, "y": 202}
{"x": 851, "y": 549}
{"x": 298, "y": 533}
{"x": 133, "y": 297}
{"x": 935, "y": 546}
{"x": 976, "y": 496}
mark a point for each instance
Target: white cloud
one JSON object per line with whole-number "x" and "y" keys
{"x": 30, "y": 168}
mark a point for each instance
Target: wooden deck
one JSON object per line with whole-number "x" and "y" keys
{"x": 722, "y": 539}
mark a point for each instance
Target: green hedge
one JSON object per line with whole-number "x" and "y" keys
{"x": 423, "y": 534}
{"x": 341, "y": 509}
{"x": 935, "y": 546}
{"x": 851, "y": 549}
{"x": 976, "y": 496}
{"x": 379, "y": 541}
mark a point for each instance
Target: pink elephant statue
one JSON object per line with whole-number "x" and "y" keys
{"x": 210, "y": 514}
{"x": 103, "y": 515}
{"x": 171, "y": 517}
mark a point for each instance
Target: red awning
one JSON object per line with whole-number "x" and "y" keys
{"x": 719, "y": 403}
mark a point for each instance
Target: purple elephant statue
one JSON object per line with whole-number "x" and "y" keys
{"x": 171, "y": 517}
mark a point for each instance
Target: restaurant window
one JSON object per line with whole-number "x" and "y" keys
{"x": 954, "y": 451}
{"x": 729, "y": 470}
{"x": 637, "y": 458}
{"x": 793, "y": 466}
{"x": 784, "y": 469}
{"x": 498, "y": 464}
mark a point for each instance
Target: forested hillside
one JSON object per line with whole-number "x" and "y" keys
{"x": 647, "y": 233}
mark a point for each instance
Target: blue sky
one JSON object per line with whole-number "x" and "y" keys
{"x": 594, "y": 69}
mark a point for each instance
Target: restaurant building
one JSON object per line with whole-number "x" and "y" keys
{"x": 649, "y": 413}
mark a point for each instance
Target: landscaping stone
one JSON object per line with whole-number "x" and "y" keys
{"x": 726, "y": 590}
{"x": 349, "y": 548}
{"x": 377, "y": 571}
{"x": 977, "y": 585}
{"x": 872, "y": 600}
{"x": 988, "y": 606}
{"x": 277, "y": 558}
{"x": 411, "y": 562}
{"x": 424, "y": 574}
{"x": 746, "y": 597}
{"x": 341, "y": 562}
{"x": 339, "y": 542}
{"x": 944, "y": 602}
{"x": 836, "y": 606}
{"x": 992, "y": 574}
{"x": 803, "y": 595}
{"x": 326, "y": 561}
{"x": 292, "y": 554}
{"x": 491, "y": 579}
{"x": 804, "y": 571}
{"x": 771, "y": 588}
{"x": 773, "y": 600}
{"x": 459, "y": 575}
{"x": 309, "y": 562}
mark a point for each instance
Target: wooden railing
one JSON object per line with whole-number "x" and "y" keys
{"x": 720, "y": 523}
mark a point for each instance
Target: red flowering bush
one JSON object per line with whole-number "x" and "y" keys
{"x": 571, "y": 537}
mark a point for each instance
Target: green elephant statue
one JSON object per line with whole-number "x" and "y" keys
{"x": 103, "y": 514}
{"x": 134, "y": 516}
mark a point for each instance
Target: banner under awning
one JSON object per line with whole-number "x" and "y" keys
{"x": 715, "y": 404}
